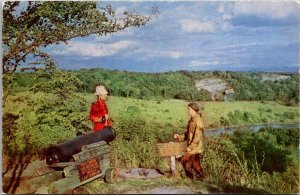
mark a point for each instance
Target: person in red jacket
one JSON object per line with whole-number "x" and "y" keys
{"x": 99, "y": 111}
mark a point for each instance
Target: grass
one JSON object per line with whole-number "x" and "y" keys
{"x": 173, "y": 112}
{"x": 214, "y": 110}
{"x": 133, "y": 186}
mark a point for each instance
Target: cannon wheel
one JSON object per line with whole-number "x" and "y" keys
{"x": 110, "y": 174}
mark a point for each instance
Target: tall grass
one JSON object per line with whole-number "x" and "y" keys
{"x": 226, "y": 165}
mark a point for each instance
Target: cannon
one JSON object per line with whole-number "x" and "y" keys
{"x": 65, "y": 151}
{"x": 69, "y": 165}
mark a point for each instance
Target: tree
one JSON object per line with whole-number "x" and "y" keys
{"x": 43, "y": 23}
{"x": 53, "y": 114}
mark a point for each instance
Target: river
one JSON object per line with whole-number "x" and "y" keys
{"x": 252, "y": 128}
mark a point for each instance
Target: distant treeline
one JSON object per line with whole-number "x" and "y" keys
{"x": 179, "y": 85}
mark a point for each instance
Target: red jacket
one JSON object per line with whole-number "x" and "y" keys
{"x": 97, "y": 115}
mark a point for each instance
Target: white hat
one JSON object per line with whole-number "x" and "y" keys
{"x": 100, "y": 90}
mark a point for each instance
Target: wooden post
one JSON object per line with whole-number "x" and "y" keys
{"x": 171, "y": 149}
{"x": 172, "y": 165}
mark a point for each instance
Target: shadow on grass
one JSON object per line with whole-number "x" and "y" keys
{"x": 227, "y": 188}
{"x": 211, "y": 188}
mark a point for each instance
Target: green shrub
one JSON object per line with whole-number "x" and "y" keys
{"x": 238, "y": 117}
{"x": 135, "y": 142}
{"x": 222, "y": 163}
{"x": 269, "y": 110}
{"x": 56, "y": 114}
{"x": 224, "y": 121}
{"x": 268, "y": 149}
{"x": 264, "y": 120}
{"x": 229, "y": 161}
{"x": 289, "y": 115}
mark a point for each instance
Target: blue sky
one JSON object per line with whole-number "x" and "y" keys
{"x": 194, "y": 35}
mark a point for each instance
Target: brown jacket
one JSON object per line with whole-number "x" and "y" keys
{"x": 194, "y": 135}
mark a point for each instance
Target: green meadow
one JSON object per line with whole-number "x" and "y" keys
{"x": 173, "y": 112}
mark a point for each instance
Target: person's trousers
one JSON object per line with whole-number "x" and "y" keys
{"x": 190, "y": 163}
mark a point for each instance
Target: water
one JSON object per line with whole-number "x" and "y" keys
{"x": 252, "y": 128}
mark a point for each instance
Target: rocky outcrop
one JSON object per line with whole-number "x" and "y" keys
{"x": 274, "y": 77}
{"x": 217, "y": 87}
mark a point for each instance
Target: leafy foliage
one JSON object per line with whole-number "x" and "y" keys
{"x": 259, "y": 161}
{"x": 238, "y": 117}
{"x": 268, "y": 147}
{"x": 221, "y": 162}
{"x": 42, "y": 23}
{"x": 142, "y": 85}
{"x": 9, "y": 132}
{"x": 50, "y": 118}
{"x": 181, "y": 85}
{"x": 135, "y": 141}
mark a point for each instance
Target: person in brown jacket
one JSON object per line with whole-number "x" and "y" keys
{"x": 195, "y": 147}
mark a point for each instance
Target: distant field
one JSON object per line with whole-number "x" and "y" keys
{"x": 173, "y": 112}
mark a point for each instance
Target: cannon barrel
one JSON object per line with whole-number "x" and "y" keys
{"x": 64, "y": 152}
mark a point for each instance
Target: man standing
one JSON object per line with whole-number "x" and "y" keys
{"x": 99, "y": 111}
{"x": 195, "y": 146}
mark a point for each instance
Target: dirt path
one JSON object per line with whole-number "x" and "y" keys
{"x": 146, "y": 181}
{"x": 127, "y": 181}
{"x": 140, "y": 187}
{"x": 170, "y": 190}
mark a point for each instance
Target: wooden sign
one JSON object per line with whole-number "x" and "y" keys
{"x": 171, "y": 148}
{"x": 88, "y": 169}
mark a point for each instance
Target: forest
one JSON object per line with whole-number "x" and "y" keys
{"x": 248, "y": 86}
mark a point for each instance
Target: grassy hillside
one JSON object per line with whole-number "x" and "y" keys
{"x": 173, "y": 112}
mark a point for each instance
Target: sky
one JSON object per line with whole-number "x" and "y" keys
{"x": 194, "y": 36}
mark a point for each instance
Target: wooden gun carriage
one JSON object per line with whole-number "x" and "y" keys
{"x": 91, "y": 163}
{"x": 81, "y": 160}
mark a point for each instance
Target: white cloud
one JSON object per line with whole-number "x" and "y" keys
{"x": 150, "y": 53}
{"x": 275, "y": 10}
{"x": 173, "y": 54}
{"x": 169, "y": 54}
{"x": 195, "y": 63}
{"x": 87, "y": 49}
{"x": 239, "y": 46}
{"x": 196, "y": 26}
